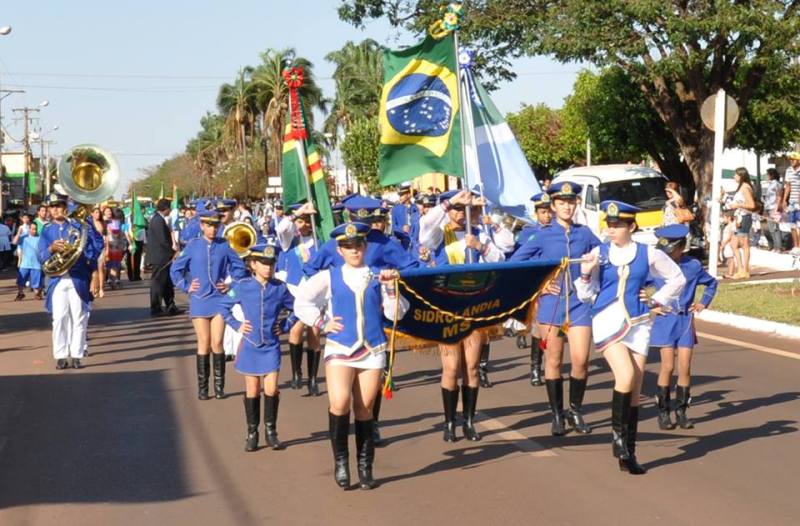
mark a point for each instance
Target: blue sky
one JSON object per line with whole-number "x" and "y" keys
{"x": 136, "y": 77}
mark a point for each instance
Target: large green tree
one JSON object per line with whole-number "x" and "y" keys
{"x": 677, "y": 52}
{"x": 359, "y": 79}
{"x": 361, "y": 150}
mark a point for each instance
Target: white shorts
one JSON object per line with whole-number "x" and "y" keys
{"x": 368, "y": 361}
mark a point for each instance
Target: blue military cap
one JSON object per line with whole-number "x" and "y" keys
{"x": 564, "y": 190}
{"x": 278, "y": 206}
{"x": 669, "y": 237}
{"x": 202, "y": 204}
{"x": 225, "y": 204}
{"x": 619, "y": 211}
{"x": 338, "y": 207}
{"x": 208, "y": 216}
{"x": 350, "y": 231}
{"x": 364, "y": 208}
{"x": 452, "y": 193}
{"x": 191, "y": 203}
{"x": 427, "y": 199}
{"x": 56, "y": 199}
{"x": 541, "y": 200}
{"x": 268, "y": 249}
{"x": 72, "y": 207}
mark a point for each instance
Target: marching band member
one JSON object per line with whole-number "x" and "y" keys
{"x": 191, "y": 229}
{"x": 298, "y": 246}
{"x": 562, "y": 313}
{"x": 419, "y": 251}
{"x": 226, "y": 208}
{"x": 405, "y": 214}
{"x": 443, "y": 230}
{"x": 275, "y": 219}
{"x": 544, "y": 214}
{"x": 674, "y": 331}
{"x": 382, "y": 252}
{"x": 612, "y": 276}
{"x": 69, "y": 296}
{"x": 347, "y": 303}
{"x": 200, "y": 271}
{"x": 262, "y": 299}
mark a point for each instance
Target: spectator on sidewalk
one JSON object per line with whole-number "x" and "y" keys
{"x": 672, "y": 204}
{"x": 6, "y": 253}
{"x": 42, "y": 218}
{"x": 726, "y": 243}
{"x": 773, "y": 206}
{"x": 116, "y": 246}
{"x": 791, "y": 199}
{"x": 30, "y": 270}
{"x": 743, "y": 205}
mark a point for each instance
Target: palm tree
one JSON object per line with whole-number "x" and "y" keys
{"x": 271, "y": 95}
{"x": 237, "y": 102}
{"x": 209, "y": 147}
{"x": 359, "y": 79}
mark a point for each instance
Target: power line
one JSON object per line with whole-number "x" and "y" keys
{"x": 147, "y": 89}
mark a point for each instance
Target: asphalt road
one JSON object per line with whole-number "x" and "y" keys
{"x": 125, "y": 440}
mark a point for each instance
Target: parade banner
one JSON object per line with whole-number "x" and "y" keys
{"x": 450, "y": 302}
{"x": 502, "y": 170}
{"x": 419, "y": 112}
{"x": 301, "y": 169}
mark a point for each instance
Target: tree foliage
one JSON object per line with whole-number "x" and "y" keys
{"x": 361, "y": 150}
{"x": 677, "y": 52}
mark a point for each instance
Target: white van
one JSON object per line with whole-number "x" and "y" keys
{"x": 636, "y": 185}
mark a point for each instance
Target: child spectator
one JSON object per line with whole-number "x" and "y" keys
{"x": 726, "y": 246}
{"x": 30, "y": 270}
{"x": 116, "y": 246}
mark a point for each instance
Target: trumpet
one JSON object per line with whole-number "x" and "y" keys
{"x": 241, "y": 237}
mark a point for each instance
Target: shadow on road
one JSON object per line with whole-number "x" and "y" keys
{"x": 86, "y": 438}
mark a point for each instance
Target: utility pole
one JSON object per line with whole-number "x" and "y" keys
{"x": 26, "y": 141}
{"x": 3, "y": 94}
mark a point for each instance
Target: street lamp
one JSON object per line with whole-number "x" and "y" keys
{"x": 5, "y": 30}
{"x": 45, "y": 103}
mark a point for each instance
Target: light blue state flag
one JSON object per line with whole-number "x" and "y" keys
{"x": 507, "y": 178}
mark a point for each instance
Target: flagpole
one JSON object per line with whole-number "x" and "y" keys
{"x": 463, "y": 138}
{"x": 466, "y": 105}
{"x": 300, "y": 148}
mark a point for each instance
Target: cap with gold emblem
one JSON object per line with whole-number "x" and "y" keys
{"x": 564, "y": 190}
{"x": 541, "y": 200}
{"x": 350, "y": 232}
{"x": 669, "y": 237}
{"x": 266, "y": 250}
{"x": 619, "y": 211}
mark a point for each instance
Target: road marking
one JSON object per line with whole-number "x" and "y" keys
{"x": 525, "y": 444}
{"x": 748, "y": 345}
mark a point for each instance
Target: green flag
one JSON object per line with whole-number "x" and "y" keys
{"x": 419, "y": 112}
{"x": 174, "y": 197}
{"x": 137, "y": 218}
{"x": 301, "y": 162}
{"x": 161, "y": 191}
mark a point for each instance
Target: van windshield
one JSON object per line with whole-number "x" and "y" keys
{"x": 647, "y": 194}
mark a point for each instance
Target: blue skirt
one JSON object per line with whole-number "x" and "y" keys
{"x": 206, "y": 307}
{"x": 673, "y": 330}
{"x": 257, "y": 360}
{"x": 552, "y": 311}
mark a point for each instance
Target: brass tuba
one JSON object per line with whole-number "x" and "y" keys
{"x": 88, "y": 174}
{"x": 241, "y": 237}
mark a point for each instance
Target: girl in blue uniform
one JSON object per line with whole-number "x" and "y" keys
{"x": 674, "y": 331}
{"x": 561, "y": 313}
{"x": 348, "y": 304}
{"x": 298, "y": 246}
{"x": 611, "y": 278}
{"x": 200, "y": 270}
{"x": 451, "y": 241}
{"x": 262, "y": 299}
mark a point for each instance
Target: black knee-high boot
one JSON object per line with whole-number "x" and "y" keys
{"x": 203, "y": 372}
{"x": 271, "y": 421}
{"x": 365, "y": 453}
{"x": 662, "y": 399}
{"x": 555, "y": 395}
{"x": 682, "y": 400}
{"x": 632, "y": 465}
{"x": 219, "y": 375}
{"x": 296, "y": 359}
{"x": 483, "y": 366}
{"x": 339, "y": 429}
{"x": 312, "y": 360}
{"x": 469, "y": 400}
{"x": 450, "y": 404}
{"x": 620, "y": 415}
{"x": 537, "y": 376}
{"x": 376, "y": 414}
{"x": 251, "y": 412}
{"x": 577, "y": 388}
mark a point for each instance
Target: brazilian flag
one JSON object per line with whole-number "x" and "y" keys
{"x": 419, "y": 112}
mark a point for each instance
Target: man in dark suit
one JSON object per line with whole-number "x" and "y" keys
{"x": 158, "y": 256}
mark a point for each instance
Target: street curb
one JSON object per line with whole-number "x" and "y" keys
{"x": 783, "y": 330}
